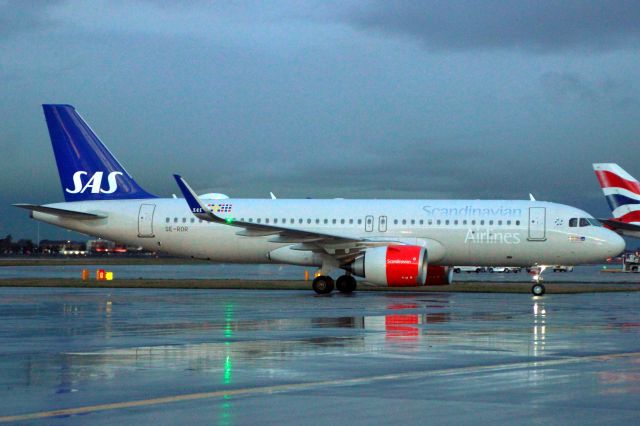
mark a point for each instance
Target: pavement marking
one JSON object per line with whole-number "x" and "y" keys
{"x": 311, "y": 385}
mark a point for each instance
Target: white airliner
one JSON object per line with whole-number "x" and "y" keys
{"x": 388, "y": 242}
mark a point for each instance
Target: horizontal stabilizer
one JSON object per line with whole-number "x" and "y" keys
{"x": 71, "y": 214}
{"x": 617, "y": 224}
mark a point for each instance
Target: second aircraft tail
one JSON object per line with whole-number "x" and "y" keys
{"x": 621, "y": 190}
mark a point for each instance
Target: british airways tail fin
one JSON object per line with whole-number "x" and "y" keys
{"x": 88, "y": 171}
{"x": 621, "y": 190}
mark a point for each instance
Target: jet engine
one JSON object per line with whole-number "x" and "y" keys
{"x": 393, "y": 266}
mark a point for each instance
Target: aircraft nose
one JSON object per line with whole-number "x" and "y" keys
{"x": 615, "y": 244}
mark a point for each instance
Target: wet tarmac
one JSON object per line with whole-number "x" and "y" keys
{"x": 108, "y": 356}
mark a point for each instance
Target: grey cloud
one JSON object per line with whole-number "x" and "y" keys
{"x": 539, "y": 25}
{"x": 23, "y": 16}
{"x": 571, "y": 87}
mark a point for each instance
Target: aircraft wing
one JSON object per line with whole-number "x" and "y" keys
{"x": 71, "y": 214}
{"x": 342, "y": 247}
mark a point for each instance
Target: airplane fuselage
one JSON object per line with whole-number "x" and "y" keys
{"x": 455, "y": 232}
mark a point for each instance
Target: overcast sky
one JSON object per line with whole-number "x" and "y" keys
{"x": 362, "y": 99}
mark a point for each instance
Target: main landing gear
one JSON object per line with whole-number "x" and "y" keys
{"x": 324, "y": 284}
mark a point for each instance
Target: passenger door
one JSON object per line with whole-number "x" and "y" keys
{"x": 145, "y": 220}
{"x": 537, "y": 224}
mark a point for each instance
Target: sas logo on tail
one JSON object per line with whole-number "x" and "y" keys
{"x": 95, "y": 183}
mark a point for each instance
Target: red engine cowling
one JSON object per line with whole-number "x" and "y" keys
{"x": 439, "y": 275}
{"x": 393, "y": 266}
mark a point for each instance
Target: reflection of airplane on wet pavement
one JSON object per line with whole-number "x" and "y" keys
{"x": 388, "y": 242}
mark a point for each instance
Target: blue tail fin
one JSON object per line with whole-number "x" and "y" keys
{"x": 88, "y": 171}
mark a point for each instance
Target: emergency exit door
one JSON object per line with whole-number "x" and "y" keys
{"x": 368, "y": 223}
{"x": 145, "y": 220}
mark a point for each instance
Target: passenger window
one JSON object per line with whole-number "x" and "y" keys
{"x": 473, "y": 222}
{"x": 193, "y": 219}
{"x": 342, "y": 221}
{"x": 455, "y": 222}
{"x": 404, "y": 221}
{"x": 184, "y": 220}
{"x": 482, "y": 222}
{"x": 446, "y": 222}
{"x": 573, "y": 222}
{"x": 275, "y": 220}
{"x": 250, "y": 220}
{"x": 395, "y": 221}
{"x": 300, "y": 220}
{"x": 266, "y": 220}
{"x": 292, "y": 221}
{"x": 175, "y": 220}
{"x": 334, "y": 221}
{"x": 421, "y": 222}
{"x": 438, "y": 222}
{"x": 430, "y": 222}
{"x": 258, "y": 220}
{"x": 350, "y": 221}
{"x": 413, "y": 221}
{"x": 499, "y": 222}
{"x": 168, "y": 220}
{"x": 359, "y": 221}
{"x": 584, "y": 222}
{"x": 464, "y": 222}
{"x": 508, "y": 222}
{"x": 326, "y": 221}
{"x": 308, "y": 221}
{"x": 490, "y": 222}
{"x": 517, "y": 222}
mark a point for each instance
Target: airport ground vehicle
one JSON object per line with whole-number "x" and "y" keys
{"x": 468, "y": 269}
{"x": 504, "y": 269}
{"x": 388, "y": 242}
{"x": 631, "y": 261}
{"x": 562, "y": 268}
{"x": 478, "y": 269}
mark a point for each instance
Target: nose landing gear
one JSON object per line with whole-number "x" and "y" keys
{"x": 536, "y": 274}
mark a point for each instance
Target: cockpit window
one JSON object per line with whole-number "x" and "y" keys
{"x": 584, "y": 222}
{"x": 594, "y": 222}
{"x": 573, "y": 222}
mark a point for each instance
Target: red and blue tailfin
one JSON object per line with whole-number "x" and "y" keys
{"x": 621, "y": 190}
{"x": 88, "y": 171}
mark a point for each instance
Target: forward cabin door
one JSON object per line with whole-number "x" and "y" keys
{"x": 145, "y": 220}
{"x": 537, "y": 224}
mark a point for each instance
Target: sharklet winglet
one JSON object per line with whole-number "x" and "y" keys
{"x": 197, "y": 207}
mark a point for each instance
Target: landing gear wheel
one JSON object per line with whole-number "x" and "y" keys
{"x": 322, "y": 284}
{"x": 538, "y": 289}
{"x": 346, "y": 284}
